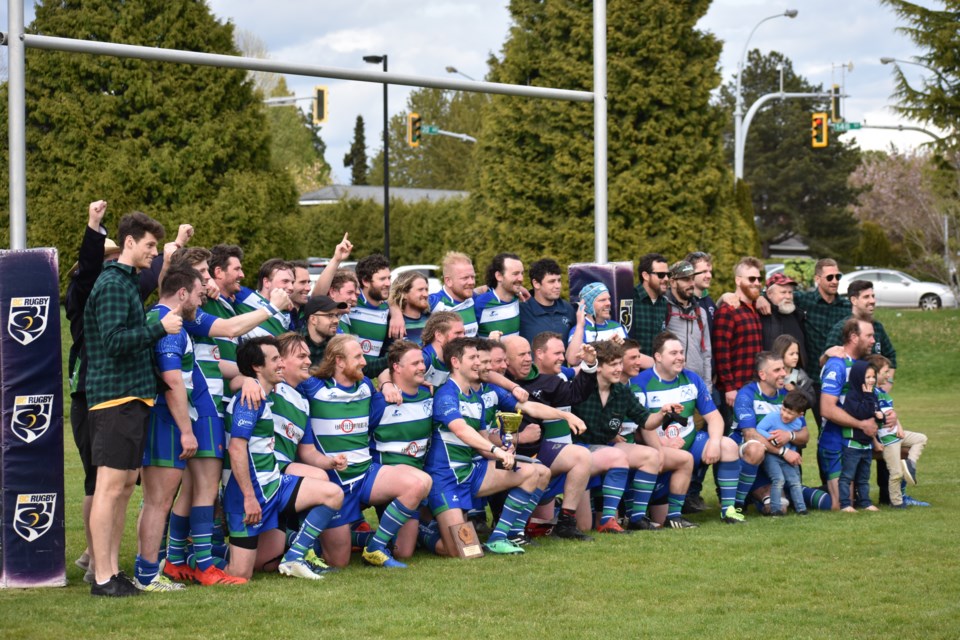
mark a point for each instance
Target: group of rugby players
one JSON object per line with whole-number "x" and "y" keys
{"x": 283, "y": 412}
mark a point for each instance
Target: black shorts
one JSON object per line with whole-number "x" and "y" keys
{"x": 119, "y": 434}
{"x": 80, "y": 421}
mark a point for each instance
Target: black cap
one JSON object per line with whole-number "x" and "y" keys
{"x": 322, "y": 304}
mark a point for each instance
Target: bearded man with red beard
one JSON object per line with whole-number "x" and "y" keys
{"x": 737, "y": 334}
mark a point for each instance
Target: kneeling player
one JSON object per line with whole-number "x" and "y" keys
{"x": 257, "y": 495}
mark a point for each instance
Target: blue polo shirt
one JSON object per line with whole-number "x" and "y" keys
{"x": 535, "y": 318}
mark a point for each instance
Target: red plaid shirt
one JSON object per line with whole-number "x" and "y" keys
{"x": 737, "y": 339}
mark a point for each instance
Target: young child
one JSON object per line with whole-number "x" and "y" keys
{"x": 890, "y": 440}
{"x": 781, "y": 472}
{"x": 787, "y": 347}
{"x": 860, "y": 403}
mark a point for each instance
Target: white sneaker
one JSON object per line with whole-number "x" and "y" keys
{"x": 298, "y": 569}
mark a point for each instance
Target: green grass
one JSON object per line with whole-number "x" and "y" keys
{"x": 831, "y": 575}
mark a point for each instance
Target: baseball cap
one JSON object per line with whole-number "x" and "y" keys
{"x": 681, "y": 269}
{"x": 781, "y": 279}
{"x": 322, "y": 304}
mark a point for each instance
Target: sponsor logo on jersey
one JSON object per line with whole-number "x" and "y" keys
{"x": 412, "y": 449}
{"x": 31, "y": 416}
{"x": 626, "y": 313}
{"x": 831, "y": 375}
{"x": 290, "y": 430}
{"x": 27, "y": 319}
{"x": 673, "y": 431}
{"x": 366, "y": 346}
{"x": 33, "y": 515}
{"x": 216, "y": 353}
{"x": 346, "y": 426}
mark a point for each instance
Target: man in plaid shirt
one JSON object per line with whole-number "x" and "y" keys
{"x": 737, "y": 334}
{"x": 649, "y": 303}
{"x": 121, "y": 386}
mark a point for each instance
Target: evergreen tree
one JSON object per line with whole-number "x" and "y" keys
{"x": 356, "y": 158}
{"x": 440, "y": 162}
{"x": 295, "y": 143}
{"x": 669, "y": 188}
{"x": 182, "y": 143}
{"x": 936, "y": 100}
{"x": 796, "y": 190}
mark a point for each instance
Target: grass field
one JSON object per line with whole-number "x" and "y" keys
{"x": 830, "y": 575}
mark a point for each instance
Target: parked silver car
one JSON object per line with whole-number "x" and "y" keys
{"x": 897, "y": 289}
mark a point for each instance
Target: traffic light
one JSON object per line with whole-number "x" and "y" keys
{"x": 319, "y": 105}
{"x": 414, "y": 125}
{"x": 819, "y": 130}
{"x": 835, "y": 105}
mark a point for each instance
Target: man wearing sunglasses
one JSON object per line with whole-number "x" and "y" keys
{"x": 824, "y": 308}
{"x": 649, "y": 303}
{"x": 687, "y": 320}
{"x": 737, "y": 334}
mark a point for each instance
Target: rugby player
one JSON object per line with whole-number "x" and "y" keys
{"x": 498, "y": 308}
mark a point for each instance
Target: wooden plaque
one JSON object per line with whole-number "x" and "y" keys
{"x": 465, "y": 537}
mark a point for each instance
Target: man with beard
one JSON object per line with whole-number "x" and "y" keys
{"x": 784, "y": 317}
{"x": 737, "y": 335}
{"x": 687, "y": 320}
{"x": 546, "y": 310}
{"x": 858, "y": 341}
{"x": 863, "y": 303}
{"x": 120, "y": 389}
{"x": 498, "y": 309}
{"x": 321, "y": 318}
{"x": 823, "y": 309}
{"x": 649, "y": 304}
{"x": 183, "y": 422}
{"x": 301, "y": 291}
{"x": 441, "y": 328}
{"x": 369, "y": 320}
{"x": 550, "y": 440}
{"x": 702, "y": 277}
{"x": 256, "y": 495}
{"x": 410, "y": 294}
{"x": 340, "y": 404}
{"x": 459, "y": 280}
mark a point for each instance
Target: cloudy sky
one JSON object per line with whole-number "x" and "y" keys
{"x": 423, "y": 37}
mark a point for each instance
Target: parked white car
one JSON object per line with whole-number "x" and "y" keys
{"x": 430, "y": 271}
{"x": 897, "y": 289}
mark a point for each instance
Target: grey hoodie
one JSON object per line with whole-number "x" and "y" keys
{"x": 694, "y": 335}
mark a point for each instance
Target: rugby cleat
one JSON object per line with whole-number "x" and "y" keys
{"x": 159, "y": 583}
{"x": 678, "y": 522}
{"x": 503, "y": 547}
{"x": 732, "y": 515}
{"x": 694, "y": 504}
{"x": 316, "y": 564}
{"x": 382, "y": 559}
{"x": 298, "y": 569}
{"x": 566, "y": 528}
{"x": 215, "y": 575}
{"x": 644, "y": 524}
{"x": 611, "y": 526}
{"x": 179, "y": 572}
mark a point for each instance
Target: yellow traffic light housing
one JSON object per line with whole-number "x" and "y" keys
{"x": 319, "y": 105}
{"x": 819, "y": 133}
{"x": 414, "y": 129}
{"x": 835, "y": 105}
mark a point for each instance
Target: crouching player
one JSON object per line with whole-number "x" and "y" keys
{"x": 257, "y": 495}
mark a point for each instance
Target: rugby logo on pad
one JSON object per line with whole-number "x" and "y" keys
{"x": 27, "y": 318}
{"x": 34, "y": 514}
{"x": 31, "y": 416}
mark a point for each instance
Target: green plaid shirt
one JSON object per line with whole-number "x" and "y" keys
{"x": 820, "y": 318}
{"x": 604, "y": 421}
{"x": 883, "y": 346}
{"x": 649, "y": 318}
{"x": 119, "y": 339}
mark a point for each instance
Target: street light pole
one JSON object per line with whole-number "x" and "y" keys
{"x": 738, "y": 106}
{"x": 386, "y": 157}
{"x": 459, "y": 73}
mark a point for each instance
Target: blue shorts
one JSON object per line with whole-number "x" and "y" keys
{"x": 163, "y": 440}
{"x": 356, "y": 497}
{"x": 555, "y": 487}
{"x": 210, "y": 437}
{"x": 661, "y": 490}
{"x": 447, "y": 493}
{"x": 696, "y": 448}
{"x": 830, "y": 462}
{"x": 549, "y": 451}
{"x": 275, "y": 511}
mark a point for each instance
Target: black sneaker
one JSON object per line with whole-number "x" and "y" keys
{"x": 480, "y": 524}
{"x": 803, "y": 513}
{"x": 694, "y": 504}
{"x": 678, "y": 522}
{"x": 522, "y": 540}
{"x": 116, "y": 587}
{"x": 644, "y": 524}
{"x": 566, "y": 527}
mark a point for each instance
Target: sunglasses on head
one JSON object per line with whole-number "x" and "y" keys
{"x": 830, "y": 277}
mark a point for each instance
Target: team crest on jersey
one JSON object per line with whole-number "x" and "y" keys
{"x": 27, "y": 318}
{"x": 33, "y": 516}
{"x": 616, "y": 423}
{"x": 428, "y": 407}
{"x": 688, "y": 392}
{"x": 626, "y": 314}
{"x": 830, "y": 375}
{"x": 31, "y": 416}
